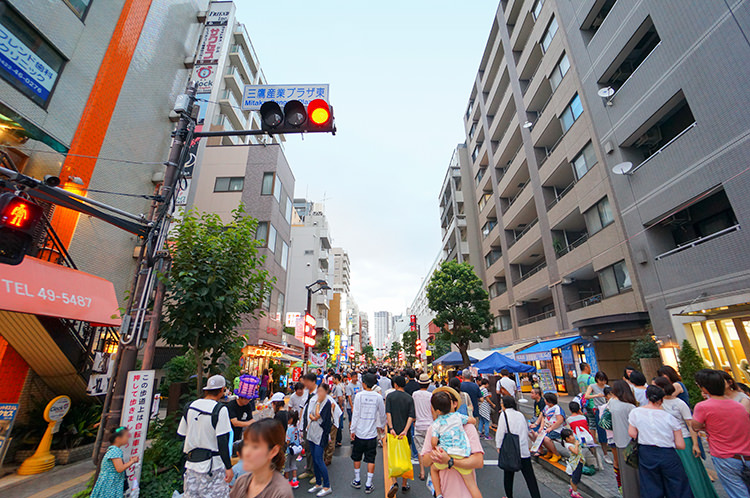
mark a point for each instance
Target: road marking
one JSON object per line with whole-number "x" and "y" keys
{"x": 62, "y": 486}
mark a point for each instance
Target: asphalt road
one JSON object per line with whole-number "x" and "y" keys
{"x": 489, "y": 478}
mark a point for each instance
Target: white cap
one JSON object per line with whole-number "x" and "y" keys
{"x": 277, "y": 397}
{"x": 215, "y": 382}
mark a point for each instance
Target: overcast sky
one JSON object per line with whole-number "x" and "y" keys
{"x": 400, "y": 73}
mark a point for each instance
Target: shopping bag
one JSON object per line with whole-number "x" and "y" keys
{"x": 509, "y": 456}
{"x": 399, "y": 456}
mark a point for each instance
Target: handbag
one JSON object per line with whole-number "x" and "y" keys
{"x": 605, "y": 421}
{"x": 509, "y": 456}
{"x": 631, "y": 453}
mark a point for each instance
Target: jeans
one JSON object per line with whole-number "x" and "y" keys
{"x": 319, "y": 467}
{"x": 340, "y": 431}
{"x": 661, "y": 473}
{"x": 528, "y": 474}
{"x": 414, "y": 452}
{"x": 484, "y": 426}
{"x": 730, "y": 474}
{"x": 262, "y": 393}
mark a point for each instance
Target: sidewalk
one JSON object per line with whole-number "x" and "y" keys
{"x": 63, "y": 481}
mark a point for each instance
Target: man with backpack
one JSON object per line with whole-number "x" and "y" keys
{"x": 205, "y": 427}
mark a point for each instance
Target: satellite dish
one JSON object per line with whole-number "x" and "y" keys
{"x": 528, "y": 124}
{"x": 606, "y": 92}
{"x": 623, "y": 168}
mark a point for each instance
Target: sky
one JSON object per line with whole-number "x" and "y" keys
{"x": 400, "y": 76}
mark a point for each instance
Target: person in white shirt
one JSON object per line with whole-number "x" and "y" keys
{"x": 385, "y": 383}
{"x": 513, "y": 421}
{"x": 298, "y": 398}
{"x": 367, "y": 423}
{"x": 205, "y": 427}
{"x": 423, "y": 410}
{"x": 505, "y": 383}
{"x": 353, "y": 386}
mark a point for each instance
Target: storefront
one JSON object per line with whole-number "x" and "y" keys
{"x": 510, "y": 351}
{"x": 559, "y": 356}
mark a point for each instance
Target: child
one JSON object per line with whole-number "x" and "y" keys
{"x": 448, "y": 433}
{"x": 575, "y": 462}
{"x": 111, "y": 479}
{"x": 485, "y": 409}
{"x": 579, "y": 424}
{"x": 293, "y": 446}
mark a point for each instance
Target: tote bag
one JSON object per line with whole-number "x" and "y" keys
{"x": 509, "y": 457}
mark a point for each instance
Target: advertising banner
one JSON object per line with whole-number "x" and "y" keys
{"x": 136, "y": 411}
{"x": 21, "y": 64}
{"x": 8, "y": 413}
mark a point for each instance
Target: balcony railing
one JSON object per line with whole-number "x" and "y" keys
{"x": 661, "y": 149}
{"x": 572, "y": 245}
{"x": 523, "y": 232}
{"x": 531, "y": 272}
{"x": 699, "y": 241}
{"x": 562, "y": 194}
{"x": 518, "y": 194}
{"x": 583, "y": 303}
{"x": 537, "y": 318}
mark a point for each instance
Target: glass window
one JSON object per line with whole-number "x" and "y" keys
{"x": 559, "y": 72}
{"x": 277, "y": 189}
{"x": 549, "y": 34}
{"x": 584, "y": 161}
{"x": 598, "y": 216}
{"x": 284, "y": 254}
{"x": 484, "y": 200}
{"x": 221, "y": 185}
{"x": 615, "y": 279}
{"x": 261, "y": 233}
{"x": 473, "y": 129}
{"x": 289, "y": 209}
{"x": 272, "y": 238}
{"x": 480, "y": 175}
{"x": 236, "y": 184}
{"x": 267, "y": 186}
{"x": 281, "y": 302}
{"x": 27, "y": 61}
{"x": 229, "y": 184}
{"x": 537, "y": 9}
{"x": 571, "y": 113}
{"x": 79, "y": 6}
{"x": 267, "y": 301}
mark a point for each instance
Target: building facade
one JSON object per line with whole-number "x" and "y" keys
{"x": 382, "y": 325}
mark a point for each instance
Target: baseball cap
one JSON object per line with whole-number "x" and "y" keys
{"x": 215, "y": 382}
{"x": 277, "y": 397}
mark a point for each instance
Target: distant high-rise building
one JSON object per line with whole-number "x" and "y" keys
{"x": 341, "y": 276}
{"x": 381, "y": 328}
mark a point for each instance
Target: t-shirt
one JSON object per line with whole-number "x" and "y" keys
{"x": 507, "y": 383}
{"x": 679, "y": 410}
{"x": 411, "y": 387}
{"x": 368, "y": 414}
{"x": 241, "y": 413}
{"x": 485, "y": 410}
{"x": 539, "y": 407}
{"x": 577, "y": 421}
{"x": 401, "y": 407}
{"x": 278, "y": 487}
{"x": 727, "y": 425}
{"x": 199, "y": 432}
{"x": 620, "y": 412}
{"x": 338, "y": 392}
{"x": 385, "y": 385}
{"x": 351, "y": 390}
{"x": 451, "y": 482}
{"x": 640, "y": 395}
{"x": 297, "y": 402}
{"x": 449, "y": 429}
{"x": 655, "y": 427}
{"x": 574, "y": 460}
{"x": 584, "y": 380}
{"x": 422, "y": 409}
{"x": 472, "y": 389}
{"x": 518, "y": 426}
{"x": 550, "y": 415}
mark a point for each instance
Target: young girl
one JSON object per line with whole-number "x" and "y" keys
{"x": 293, "y": 443}
{"x": 111, "y": 481}
{"x": 485, "y": 409}
{"x": 575, "y": 462}
{"x": 448, "y": 433}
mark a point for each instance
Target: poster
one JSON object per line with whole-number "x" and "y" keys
{"x": 8, "y": 413}
{"x": 546, "y": 381}
{"x": 135, "y": 416}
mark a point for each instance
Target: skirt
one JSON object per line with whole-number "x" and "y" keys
{"x": 700, "y": 483}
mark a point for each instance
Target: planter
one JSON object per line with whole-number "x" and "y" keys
{"x": 649, "y": 366}
{"x": 62, "y": 457}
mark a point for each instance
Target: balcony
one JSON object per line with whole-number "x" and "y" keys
{"x": 233, "y": 80}
{"x": 519, "y": 39}
{"x": 237, "y": 58}
{"x": 536, "y": 318}
{"x": 525, "y": 274}
{"x": 541, "y": 328}
{"x": 231, "y": 108}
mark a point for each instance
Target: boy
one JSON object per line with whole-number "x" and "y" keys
{"x": 575, "y": 462}
{"x": 293, "y": 447}
{"x": 367, "y": 424}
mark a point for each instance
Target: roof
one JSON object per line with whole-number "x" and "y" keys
{"x": 542, "y": 347}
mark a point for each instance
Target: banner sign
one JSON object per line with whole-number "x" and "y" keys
{"x": 591, "y": 357}
{"x": 136, "y": 411}
{"x": 546, "y": 381}
{"x": 255, "y": 96}
{"x": 538, "y": 356}
{"x": 8, "y": 413}
{"x": 318, "y": 360}
{"x": 292, "y": 319}
{"x": 22, "y": 65}
{"x": 210, "y": 48}
{"x": 41, "y": 288}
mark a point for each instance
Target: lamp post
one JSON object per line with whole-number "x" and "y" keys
{"x": 317, "y": 286}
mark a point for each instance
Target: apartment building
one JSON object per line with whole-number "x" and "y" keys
{"x": 341, "y": 270}
{"x": 381, "y": 328}
{"x": 672, "y": 85}
{"x": 557, "y": 260}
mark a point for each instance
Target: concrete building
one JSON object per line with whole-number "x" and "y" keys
{"x": 259, "y": 178}
{"x": 557, "y": 261}
{"x": 341, "y": 270}
{"x": 400, "y": 325}
{"x": 365, "y": 338}
{"x": 381, "y": 330}
{"x": 673, "y": 114}
{"x": 309, "y": 261}
{"x": 420, "y": 306}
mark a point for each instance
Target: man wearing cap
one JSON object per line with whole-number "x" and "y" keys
{"x": 241, "y": 416}
{"x": 205, "y": 426}
{"x": 423, "y": 420}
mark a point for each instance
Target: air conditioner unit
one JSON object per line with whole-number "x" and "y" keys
{"x": 651, "y": 137}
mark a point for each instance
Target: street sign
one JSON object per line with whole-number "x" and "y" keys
{"x": 136, "y": 413}
{"x": 255, "y": 96}
{"x": 8, "y": 413}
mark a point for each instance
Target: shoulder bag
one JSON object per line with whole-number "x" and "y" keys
{"x": 509, "y": 457}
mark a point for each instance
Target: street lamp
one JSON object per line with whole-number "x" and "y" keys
{"x": 317, "y": 286}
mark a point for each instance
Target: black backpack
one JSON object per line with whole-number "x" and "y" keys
{"x": 214, "y": 413}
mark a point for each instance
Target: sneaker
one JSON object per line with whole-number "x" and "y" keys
{"x": 305, "y": 474}
{"x": 574, "y": 494}
{"x": 312, "y": 481}
{"x": 369, "y": 489}
{"x": 324, "y": 492}
{"x": 294, "y": 483}
{"x": 393, "y": 490}
{"x": 314, "y": 489}
{"x": 608, "y": 459}
{"x": 299, "y": 458}
{"x": 357, "y": 484}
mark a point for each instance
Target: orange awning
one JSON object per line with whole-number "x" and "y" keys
{"x": 41, "y": 288}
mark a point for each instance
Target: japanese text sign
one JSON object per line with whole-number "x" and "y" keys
{"x": 21, "y": 64}
{"x": 136, "y": 411}
{"x": 8, "y": 413}
{"x": 255, "y": 96}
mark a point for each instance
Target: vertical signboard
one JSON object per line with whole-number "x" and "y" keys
{"x": 8, "y": 413}
{"x": 136, "y": 411}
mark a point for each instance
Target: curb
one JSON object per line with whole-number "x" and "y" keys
{"x": 590, "y": 488}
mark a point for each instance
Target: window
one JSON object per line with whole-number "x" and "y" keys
{"x": 597, "y": 15}
{"x": 640, "y": 46}
{"x": 271, "y": 238}
{"x": 284, "y": 254}
{"x": 267, "y": 185}
{"x": 475, "y": 152}
{"x": 469, "y": 109}
{"x": 584, "y": 161}
{"x": 261, "y": 233}
{"x": 309, "y": 252}
{"x": 27, "y": 61}
{"x": 503, "y": 322}
{"x": 484, "y": 200}
{"x": 598, "y": 216}
{"x": 280, "y": 303}
{"x": 80, "y": 7}
{"x": 614, "y": 279}
{"x": 559, "y": 72}
{"x": 537, "y": 9}
{"x": 277, "y": 189}
{"x": 480, "y": 175}
{"x": 267, "y": 301}
{"x": 549, "y": 34}
{"x": 672, "y": 120}
{"x": 571, "y": 113}
{"x": 498, "y": 288}
{"x": 289, "y": 210}
{"x": 487, "y": 228}
{"x": 229, "y": 184}
{"x": 492, "y": 256}
{"x": 472, "y": 129}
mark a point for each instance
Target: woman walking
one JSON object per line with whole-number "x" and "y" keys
{"x": 698, "y": 478}
{"x": 595, "y": 392}
{"x": 620, "y": 406}
{"x": 263, "y": 387}
{"x": 659, "y": 436}
{"x": 513, "y": 420}
{"x": 320, "y": 419}
{"x": 263, "y": 460}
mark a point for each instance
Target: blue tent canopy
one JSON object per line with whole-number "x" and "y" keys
{"x": 496, "y": 362}
{"x": 452, "y": 358}
{"x": 541, "y": 350}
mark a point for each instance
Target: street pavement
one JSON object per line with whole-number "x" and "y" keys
{"x": 489, "y": 478}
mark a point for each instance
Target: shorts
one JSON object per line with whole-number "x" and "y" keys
{"x": 554, "y": 435}
{"x": 575, "y": 477}
{"x": 441, "y": 466}
{"x": 367, "y": 448}
{"x": 290, "y": 465}
{"x": 419, "y": 440}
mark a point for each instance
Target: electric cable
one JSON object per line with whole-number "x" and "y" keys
{"x": 68, "y": 154}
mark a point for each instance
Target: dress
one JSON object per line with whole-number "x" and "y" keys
{"x": 110, "y": 484}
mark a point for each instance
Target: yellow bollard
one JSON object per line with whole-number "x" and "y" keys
{"x": 42, "y": 460}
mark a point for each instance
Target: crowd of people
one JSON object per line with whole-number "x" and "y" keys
{"x": 647, "y": 431}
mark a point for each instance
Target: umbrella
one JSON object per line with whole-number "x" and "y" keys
{"x": 496, "y": 362}
{"x": 452, "y": 358}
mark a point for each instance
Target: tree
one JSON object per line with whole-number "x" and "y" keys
{"x": 217, "y": 277}
{"x": 409, "y": 341}
{"x": 442, "y": 346}
{"x": 689, "y": 362}
{"x": 322, "y": 342}
{"x": 395, "y": 350}
{"x": 456, "y": 294}
{"x": 369, "y": 353}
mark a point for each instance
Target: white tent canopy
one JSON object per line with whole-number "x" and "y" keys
{"x": 479, "y": 354}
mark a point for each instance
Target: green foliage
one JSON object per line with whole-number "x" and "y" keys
{"x": 689, "y": 362}
{"x": 217, "y": 276}
{"x": 178, "y": 369}
{"x": 86, "y": 492}
{"x": 457, "y": 295}
{"x": 78, "y": 428}
{"x": 279, "y": 370}
{"x": 409, "y": 340}
{"x": 322, "y": 342}
{"x": 369, "y": 353}
{"x": 645, "y": 347}
{"x": 162, "y": 461}
{"x": 442, "y": 346}
{"x": 395, "y": 350}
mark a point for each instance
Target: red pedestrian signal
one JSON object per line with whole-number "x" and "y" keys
{"x": 19, "y": 218}
{"x": 310, "y": 330}
{"x": 295, "y": 118}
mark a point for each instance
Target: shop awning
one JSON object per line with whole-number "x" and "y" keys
{"x": 40, "y": 288}
{"x": 542, "y": 350}
{"x": 510, "y": 350}
{"x": 479, "y": 354}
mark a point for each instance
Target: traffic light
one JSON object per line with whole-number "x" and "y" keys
{"x": 413, "y": 323}
{"x": 418, "y": 347}
{"x": 294, "y": 118}
{"x": 18, "y": 219}
{"x": 310, "y": 330}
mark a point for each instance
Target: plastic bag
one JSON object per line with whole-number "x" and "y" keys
{"x": 399, "y": 456}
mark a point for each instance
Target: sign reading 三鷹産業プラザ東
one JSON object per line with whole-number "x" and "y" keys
{"x": 255, "y": 96}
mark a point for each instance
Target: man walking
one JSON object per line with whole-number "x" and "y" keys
{"x": 423, "y": 418}
{"x": 309, "y": 381}
{"x": 471, "y": 388}
{"x": 399, "y": 411}
{"x": 368, "y": 422}
{"x": 338, "y": 395}
{"x": 411, "y": 385}
{"x": 205, "y": 427}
